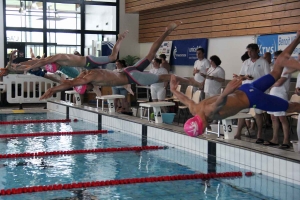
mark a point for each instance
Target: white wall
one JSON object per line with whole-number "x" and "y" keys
{"x": 130, "y": 45}
{"x": 229, "y": 49}
{"x": 1, "y": 35}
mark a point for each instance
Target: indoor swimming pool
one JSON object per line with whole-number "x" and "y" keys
{"x": 87, "y": 167}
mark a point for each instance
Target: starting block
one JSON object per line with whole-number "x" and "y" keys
{"x": 227, "y": 125}
{"x": 110, "y": 100}
{"x": 156, "y": 108}
{"x": 68, "y": 96}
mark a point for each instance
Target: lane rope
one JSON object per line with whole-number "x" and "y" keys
{"x": 34, "y": 121}
{"x": 80, "y": 151}
{"x": 118, "y": 182}
{"x": 91, "y": 132}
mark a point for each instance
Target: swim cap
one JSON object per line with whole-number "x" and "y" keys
{"x": 80, "y": 89}
{"x": 193, "y": 127}
{"x": 3, "y": 71}
{"x": 51, "y": 67}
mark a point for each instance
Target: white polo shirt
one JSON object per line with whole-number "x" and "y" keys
{"x": 256, "y": 69}
{"x": 282, "y": 91}
{"x": 213, "y": 87}
{"x": 159, "y": 71}
{"x": 202, "y": 66}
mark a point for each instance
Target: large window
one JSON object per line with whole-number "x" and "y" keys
{"x": 102, "y": 18}
{"x": 60, "y": 26}
{"x": 24, "y": 14}
{"x": 63, "y": 16}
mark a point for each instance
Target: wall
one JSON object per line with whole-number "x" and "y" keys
{"x": 130, "y": 45}
{"x": 1, "y": 35}
{"x": 229, "y": 49}
{"x": 219, "y": 18}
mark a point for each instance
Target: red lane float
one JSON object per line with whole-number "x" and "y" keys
{"x": 35, "y": 121}
{"x": 52, "y": 133}
{"x": 79, "y": 151}
{"x": 118, "y": 182}
{"x": 249, "y": 174}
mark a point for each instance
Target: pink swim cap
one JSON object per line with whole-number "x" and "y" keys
{"x": 193, "y": 127}
{"x": 80, "y": 89}
{"x": 51, "y": 67}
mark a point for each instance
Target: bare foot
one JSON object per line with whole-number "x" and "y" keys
{"x": 122, "y": 35}
{"x": 172, "y": 26}
{"x": 237, "y": 137}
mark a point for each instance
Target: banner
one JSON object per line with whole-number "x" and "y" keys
{"x": 184, "y": 51}
{"x": 276, "y": 42}
{"x": 165, "y": 48}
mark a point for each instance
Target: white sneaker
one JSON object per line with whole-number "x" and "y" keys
{"x": 252, "y": 132}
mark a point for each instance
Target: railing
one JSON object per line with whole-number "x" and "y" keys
{"x": 21, "y": 88}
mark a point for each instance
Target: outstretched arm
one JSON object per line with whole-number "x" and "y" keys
{"x": 68, "y": 84}
{"x": 48, "y": 60}
{"x": 222, "y": 99}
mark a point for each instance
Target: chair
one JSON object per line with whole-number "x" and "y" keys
{"x": 290, "y": 116}
{"x": 188, "y": 92}
{"x": 185, "y": 111}
{"x": 174, "y": 97}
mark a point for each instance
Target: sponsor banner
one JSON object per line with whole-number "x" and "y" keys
{"x": 184, "y": 51}
{"x": 165, "y": 48}
{"x": 276, "y": 42}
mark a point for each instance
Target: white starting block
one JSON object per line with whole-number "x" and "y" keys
{"x": 227, "y": 125}
{"x": 68, "y": 96}
{"x": 156, "y": 108}
{"x": 110, "y": 100}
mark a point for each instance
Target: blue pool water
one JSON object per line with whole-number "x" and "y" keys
{"x": 107, "y": 166}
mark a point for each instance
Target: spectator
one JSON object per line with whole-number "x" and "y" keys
{"x": 245, "y": 56}
{"x": 200, "y": 67}
{"x": 164, "y": 63}
{"x": 280, "y": 89}
{"x": 268, "y": 57}
{"x": 214, "y": 78}
{"x": 121, "y": 90}
{"x": 252, "y": 69}
{"x": 158, "y": 90}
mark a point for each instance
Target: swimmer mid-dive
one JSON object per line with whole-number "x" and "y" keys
{"x": 237, "y": 97}
{"x": 11, "y": 69}
{"x": 62, "y": 62}
{"x": 133, "y": 74}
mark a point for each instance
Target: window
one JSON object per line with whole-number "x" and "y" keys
{"x": 24, "y": 14}
{"x": 96, "y": 40}
{"x": 64, "y": 38}
{"x": 63, "y": 16}
{"x": 37, "y": 50}
{"x": 100, "y": 18}
{"x": 24, "y": 36}
{"x": 56, "y": 26}
{"x": 52, "y": 50}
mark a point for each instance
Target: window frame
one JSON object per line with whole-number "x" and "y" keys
{"x": 81, "y": 31}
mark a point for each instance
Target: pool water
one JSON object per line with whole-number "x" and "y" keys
{"x": 48, "y": 170}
